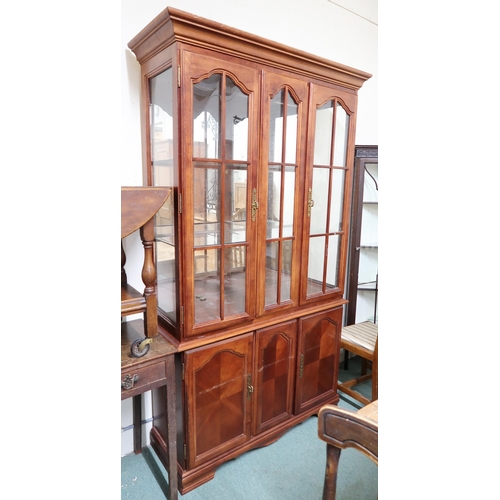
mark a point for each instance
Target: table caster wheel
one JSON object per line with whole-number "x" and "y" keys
{"x": 140, "y": 347}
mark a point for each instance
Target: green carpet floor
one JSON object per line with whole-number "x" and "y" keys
{"x": 292, "y": 468}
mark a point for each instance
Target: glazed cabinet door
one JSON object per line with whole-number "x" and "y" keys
{"x": 328, "y": 185}
{"x": 218, "y": 392}
{"x": 275, "y": 375}
{"x": 219, "y": 133}
{"x": 280, "y": 181}
{"x": 318, "y": 357}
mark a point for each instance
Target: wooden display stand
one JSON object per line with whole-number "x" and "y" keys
{"x": 256, "y": 141}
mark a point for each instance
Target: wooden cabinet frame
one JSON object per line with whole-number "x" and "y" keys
{"x": 263, "y": 317}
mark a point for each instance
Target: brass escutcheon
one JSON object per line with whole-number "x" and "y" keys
{"x": 310, "y": 202}
{"x": 255, "y": 204}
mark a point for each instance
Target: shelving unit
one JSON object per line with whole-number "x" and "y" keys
{"x": 363, "y": 251}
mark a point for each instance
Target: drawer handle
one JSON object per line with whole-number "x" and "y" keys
{"x": 129, "y": 381}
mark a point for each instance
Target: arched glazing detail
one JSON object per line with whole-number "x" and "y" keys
{"x": 220, "y": 154}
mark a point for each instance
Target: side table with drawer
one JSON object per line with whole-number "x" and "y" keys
{"x": 139, "y": 375}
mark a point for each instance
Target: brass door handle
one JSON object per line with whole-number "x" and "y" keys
{"x": 249, "y": 386}
{"x": 310, "y": 202}
{"x": 255, "y": 204}
{"x": 301, "y": 366}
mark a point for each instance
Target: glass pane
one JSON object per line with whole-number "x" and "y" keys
{"x": 236, "y": 122}
{"x": 332, "y": 267}
{"x": 370, "y": 187}
{"x": 368, "y": 267}
{"x": 323, "y": 134}
{"x": 162, "y": 153}
{"x": 341, "y": 130}
{"x": 316, "y": 265}
{"x": 235, "y": 203}
{"x": 337, "y": 201}
{"x": 276, "y": 127}
{"x": 321, "y": 181}
{"x": 272, "y": 255}
{"x": 273, "y": 202}
{"x": 206, "y": 117}
{"x": 166, "y": 284}
{"x": 162, "y": 129}
{"x": 286, "y": 270}
{"x": 288, "y": 202}
{"x": 164, "y": 222}
{"x": 369, "y": 225}
{"x": 234, "y": 280}
{"x": 291, "y": 131}
{"x": 206, "y": 285}
{"x": 206, "y": 198}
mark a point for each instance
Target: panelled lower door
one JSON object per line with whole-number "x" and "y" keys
{"x": 317, "y": 359}
{"x": 218, "y": 393}
{"x": 275, "y": 375}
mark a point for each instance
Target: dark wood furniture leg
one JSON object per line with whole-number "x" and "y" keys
{"x": 332, "y": 467}
{"x": 346, "y": 359}
{"x": 137, "y": 418}
{"x": 171, "y": 427}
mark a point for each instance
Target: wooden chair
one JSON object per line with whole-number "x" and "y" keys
{"x": 362, "y": 340}
{"x": 342, "y": 429}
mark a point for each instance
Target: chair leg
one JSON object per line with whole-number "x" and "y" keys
{"x": 332, "y": 467}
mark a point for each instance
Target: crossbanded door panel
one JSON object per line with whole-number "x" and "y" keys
{"x": 317, "y": 363}
{"x": 275, "y": 374}
{"x": 218, "y": 397}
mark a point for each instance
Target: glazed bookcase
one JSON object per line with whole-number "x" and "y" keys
{"x": 256, "y": 141}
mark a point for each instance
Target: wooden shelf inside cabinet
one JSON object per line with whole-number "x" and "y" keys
{"x": 139, "y": 206}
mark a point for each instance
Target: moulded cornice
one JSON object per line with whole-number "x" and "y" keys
{"x": 174, "y": 25}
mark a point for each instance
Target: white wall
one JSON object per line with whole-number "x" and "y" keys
{"x": 321, "y": 27}
{"x": 317, "y": 26}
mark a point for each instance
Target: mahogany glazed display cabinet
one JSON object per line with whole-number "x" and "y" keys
{"x": 256, "y": 140}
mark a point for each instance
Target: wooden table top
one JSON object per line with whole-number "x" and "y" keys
{"x": 133, "y": 330}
